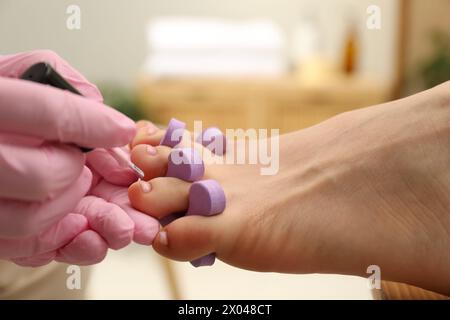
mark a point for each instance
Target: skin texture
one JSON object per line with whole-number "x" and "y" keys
{"x": 367, "y": 187}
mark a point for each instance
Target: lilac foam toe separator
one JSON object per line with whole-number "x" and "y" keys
{"x": 171, "y": 217}
{"x": 185, "y": 164}
{"x": 206, "y": 198}
{"x": 207, "y": 260}
{"x": 174, "y": 133}
{"x": 213, "y": 139}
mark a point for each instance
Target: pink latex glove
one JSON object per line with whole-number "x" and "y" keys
{"x": 52, "y": 206}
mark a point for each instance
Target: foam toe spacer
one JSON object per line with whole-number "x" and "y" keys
{"x": 207, "y": 260}
{"x": 206, "y": 198}
{"x": 171, "y": 217}
{"x": 174, "y": 133}
{"x": 213, "y": 139}
{"x": 186, "y": 164}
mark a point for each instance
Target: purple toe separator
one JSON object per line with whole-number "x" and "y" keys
{"x": 185, "y": 164}
{"x": 213, "y": 139}
{"x": 206, "y": 197}
{"x": 207, "y": 260}
{"x": 174, "y": 133}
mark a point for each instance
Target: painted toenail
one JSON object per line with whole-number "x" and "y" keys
{"x": 145, "y": 186}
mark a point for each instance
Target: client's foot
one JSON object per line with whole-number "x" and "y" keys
{"x": 369, "y": 187}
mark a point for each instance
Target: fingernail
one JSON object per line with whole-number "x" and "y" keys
{"x": 151, "y": 129}
{"x": 163, "y": 238}
{"x": 151, "y": 150}
{"x": 145, "y": 186}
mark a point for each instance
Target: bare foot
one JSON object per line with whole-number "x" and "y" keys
{"x": 368, "y": 187}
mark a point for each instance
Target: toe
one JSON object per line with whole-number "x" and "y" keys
{"x": 152, "y": 160}
{"x": 160, "y": 197}
{"x": 188, "y": 238}
{"x": 147, "y": 133}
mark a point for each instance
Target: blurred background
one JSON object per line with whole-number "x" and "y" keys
{"x": 284, "y": 64}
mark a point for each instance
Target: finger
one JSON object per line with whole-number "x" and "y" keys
{"x": 13, "y": 66}
{"x": 52, "y": 239}
{"x": 48, "y": 169}
{"x": 145, "y": 227}
{"x": 152, "y": 160}
{"x": 37, "y": 260}
{"x": 188, "y": 238}
{"x": 160, "y": 197}
{"x": 147, "y": 133}
{"x": 108, "y": 219}
{"x": 58, "y": 115}
{"x": 20, "y": 139}
{"x": 86, "y": 249}
{"x": 106, "y": 166}
{"x": 19, "y": 219}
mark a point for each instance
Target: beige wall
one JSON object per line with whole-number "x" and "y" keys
{"x": 111, "y": 43}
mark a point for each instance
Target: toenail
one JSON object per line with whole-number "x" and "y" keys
{"x": 151, "y": 150}
{"x": 163, "y": 238}
{"x": 145, "y": 186}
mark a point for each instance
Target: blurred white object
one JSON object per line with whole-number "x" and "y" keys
{"x": 306, "y": 41}
{"x": 203, "y": 46}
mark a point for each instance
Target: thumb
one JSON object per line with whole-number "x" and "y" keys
{"x": 48, "y": 241}
{"x": 58, "y": 115}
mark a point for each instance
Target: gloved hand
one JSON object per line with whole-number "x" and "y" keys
{"x": 53, "y": 206}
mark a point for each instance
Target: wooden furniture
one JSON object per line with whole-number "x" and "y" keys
{"x": 400, "y": 291}
{"x": 283, "y": 103}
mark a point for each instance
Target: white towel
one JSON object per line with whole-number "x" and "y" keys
{"x": 201, "y": 46}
